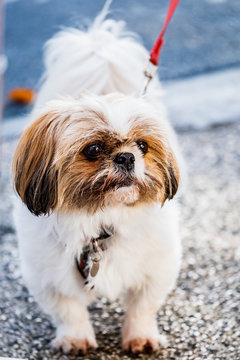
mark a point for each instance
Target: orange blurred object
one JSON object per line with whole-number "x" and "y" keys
{"x": 21, "y": 95}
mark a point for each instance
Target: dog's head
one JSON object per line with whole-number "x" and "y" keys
{"x": 94, "y": 152}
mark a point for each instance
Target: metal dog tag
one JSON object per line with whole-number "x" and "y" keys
{"x": 95, "y": 258}
{"x": 95, "y": 267}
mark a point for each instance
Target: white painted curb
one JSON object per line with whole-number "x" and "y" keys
{"x": 1, "y": 358}
{"x": 3, "y": 68}
{"x": 204, "y": 100}
{"x": 13, "y": 128}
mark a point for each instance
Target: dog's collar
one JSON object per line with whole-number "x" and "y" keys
{"x": 89, "y": 261}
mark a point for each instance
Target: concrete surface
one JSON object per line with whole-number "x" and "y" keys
{"x": 201, "y": 317}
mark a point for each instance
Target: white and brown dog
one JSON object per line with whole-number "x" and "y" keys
{"x": 94, "y": 172}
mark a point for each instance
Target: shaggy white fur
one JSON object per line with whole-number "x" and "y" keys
{"x": 142, "y": 258}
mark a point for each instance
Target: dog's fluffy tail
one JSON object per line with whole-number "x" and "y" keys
{"x": 104, "y": 59}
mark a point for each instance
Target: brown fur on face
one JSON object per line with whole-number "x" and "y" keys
{"x": 52, "y": 172}
{"x": 36, "y": 180}
{"x": 162, "y": 172}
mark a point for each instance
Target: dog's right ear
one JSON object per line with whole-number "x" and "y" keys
{"x": 35, "y": 177}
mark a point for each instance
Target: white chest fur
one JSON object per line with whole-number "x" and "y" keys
{"x": 144, "y": 238}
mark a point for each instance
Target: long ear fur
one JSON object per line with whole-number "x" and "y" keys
{"x": 172, "y": 177}
{"x": 35, "y": 178}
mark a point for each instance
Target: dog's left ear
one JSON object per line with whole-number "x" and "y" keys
{"x": 35, "y": 176}
{"x": 171, "y": 177}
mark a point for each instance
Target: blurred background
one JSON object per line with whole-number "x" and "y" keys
{"x": 200, "y": 73}
{"x": 202, "y": 39}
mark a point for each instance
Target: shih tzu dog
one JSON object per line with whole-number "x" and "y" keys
{"x": 94, "y": 172}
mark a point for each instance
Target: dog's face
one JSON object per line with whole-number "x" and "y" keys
{"x": 94, "y": 152}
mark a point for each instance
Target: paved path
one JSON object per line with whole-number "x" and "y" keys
{"x": 201, "y": 316}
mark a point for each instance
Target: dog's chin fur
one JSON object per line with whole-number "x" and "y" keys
{"x": 127, "y": 195}
{"x": 70, "y": 197}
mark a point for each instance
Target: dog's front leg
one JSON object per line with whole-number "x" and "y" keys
{"x": 140, "y": 331}
{"x": 74, "y": 330}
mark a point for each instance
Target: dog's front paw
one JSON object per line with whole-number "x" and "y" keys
{"x": 68, "y": 344}
{"x": 141, "y": 345}
{"x": 146, "y": 345}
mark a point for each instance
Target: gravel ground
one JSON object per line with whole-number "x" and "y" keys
{"x": 201, "y": 316}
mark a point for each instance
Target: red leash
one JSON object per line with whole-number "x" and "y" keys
{"x": 155, "y": 52}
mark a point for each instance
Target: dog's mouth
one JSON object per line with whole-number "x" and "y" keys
{"x": 110, "y": 183}
{"x": 109, "y": 190}
{"x": 125, "y": 183}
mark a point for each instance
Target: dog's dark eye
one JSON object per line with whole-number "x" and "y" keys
{"x": 143, "y": 146}
{"x": 93, "y": 151}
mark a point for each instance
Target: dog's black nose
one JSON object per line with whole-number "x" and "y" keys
{"x": 125, "y": 161}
